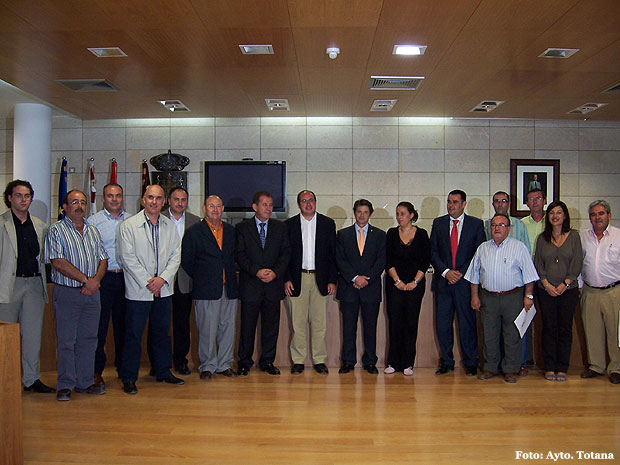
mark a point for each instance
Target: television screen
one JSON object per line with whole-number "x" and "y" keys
{"x": 236, "y": 181}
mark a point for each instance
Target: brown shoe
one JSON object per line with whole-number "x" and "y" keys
{"x": 228, "y": 373}
{"x": 510, "y": 377}
{"x": 206, "y": 375}
{"x": 99, "y": 379}
{"x": 486, "y": 374}
{"x": 614, "y": 378}
{"x": 523, "y": 371}
{"x": 589, "y": 373}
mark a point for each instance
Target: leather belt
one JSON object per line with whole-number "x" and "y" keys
{"x": 120, "y": 270}
{"x": 308, "y": 271}
{"x": 27, "y": 275}
{"x": 605, "y": 287}
{"x": 513, "y": 291}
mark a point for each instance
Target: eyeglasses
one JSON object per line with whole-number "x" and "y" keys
{"x": 500, "y": 200}
{"x": 22, "y": 196}
{"x": 531, "y": 199}
{"x": 78, "y": 202}
{"x": 499, "y": 225}
{"x": 306, "y": 201}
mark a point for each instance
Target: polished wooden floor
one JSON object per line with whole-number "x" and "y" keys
{"x": 336, "y": 419}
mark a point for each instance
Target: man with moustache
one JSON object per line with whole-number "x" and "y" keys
{"x": 208, "y": 255}
{"x": 310, "y": 278}
{"x": 112, "y": 290}
{"x": 182, "y": 297}
{"x": 79, "y": 262}
{"x": 454, "y": 240}
{"x": 601, "y": 292}
{"x": 360, "y": 258}
{"x": 150, "y": 253}
{"x": 23, "y": 290}
{"x": 262, "y": 253}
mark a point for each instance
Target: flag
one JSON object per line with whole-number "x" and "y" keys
{"x": 113, "y": 172}
{"x": 145, "y": 177}
{"x": 92, "y": 187}
{"x": 62, "y": 188}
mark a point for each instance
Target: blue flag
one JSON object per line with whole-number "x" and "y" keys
{"x": 62, "y": 188}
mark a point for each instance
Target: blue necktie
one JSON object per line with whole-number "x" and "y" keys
{"x": 262, "y": 235}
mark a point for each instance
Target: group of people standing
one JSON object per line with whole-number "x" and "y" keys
{"x": 151, "y": 267}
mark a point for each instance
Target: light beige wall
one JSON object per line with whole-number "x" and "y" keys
{"x": 383, "y": 159}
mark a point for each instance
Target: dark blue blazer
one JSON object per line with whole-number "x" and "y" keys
{"x": 324, "y": 253}
{"x": 203, "y": 260}
{"x": 472, "y": 235}
{"x": 251, "y": 257}
{"x": 350, "y": 264}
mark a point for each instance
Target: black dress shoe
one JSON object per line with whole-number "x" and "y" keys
{"x": 38, "y": 386}
{"x": 183, "y": 369}
{"x": 228, "y": 373}
{"x": 443, "y": 369}
{"x": 371, "y": 368}
{"x": 130, "y": 387}
{"x": 96, "y": 389}
{"x": 152, "y": 372}
{"x": 471, "y": 371}
{"x": 243, "y": 371}
{"x": 270, "y": 369}
{"x": 345, "y": 368}
{"x": 321, "y": 369}
{"x": 63, "y": 395}
{"x": 206, "y": 375}
{"x": 297, "y": 369}
{"x": 170, "y": 379}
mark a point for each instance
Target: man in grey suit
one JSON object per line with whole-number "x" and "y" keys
{"x": 182, "y": 297}
{"x": 360, "y": 257}
{"x": 208, "y": 255}
{"x": 23, "y": 290}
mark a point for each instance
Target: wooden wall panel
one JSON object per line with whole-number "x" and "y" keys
{"x": 11, "y": 449}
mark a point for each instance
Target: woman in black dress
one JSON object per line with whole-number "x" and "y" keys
{"x": 408, "y": 251}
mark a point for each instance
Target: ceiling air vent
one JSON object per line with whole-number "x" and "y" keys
{"x": 486, "y": 106}
{"x": 107, "y": 52}
{"x": 383, "y": 105}
{"x": 395, "y": 82}
{"x": 174, "y": 105}
{"x": 256, "y": 49}
{"x": 558, "y": 53}
{"x": 277, "y": 104}
{"x": 614, "y": 88}
{"x": 87, "y": 85}
{"x": 586, "y": 108}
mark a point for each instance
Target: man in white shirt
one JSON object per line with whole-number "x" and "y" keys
{"x": 310, "y": 279}
{"x": 600, "y": 299}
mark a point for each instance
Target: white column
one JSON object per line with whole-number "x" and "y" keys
{"x": 32, "y": 145}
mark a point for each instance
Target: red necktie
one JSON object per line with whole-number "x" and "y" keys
{"x": 454, "y": 242}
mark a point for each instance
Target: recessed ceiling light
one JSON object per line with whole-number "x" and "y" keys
{"x": 277, "y": 104}
{"x": 486, "y": 106}
{"x": 107, "y": 52}
{"x": 256, "y": 49}
{"x": 614, "y": 88}
{"x": 558, "y": 53}
{"x": 586, "y": 108}
{"x": 174, "y": 105}
{"x": 383, "y": 105}
{"x": 409, "y": 50}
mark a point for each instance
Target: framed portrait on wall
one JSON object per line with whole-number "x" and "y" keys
{"x": 528, "y": 174}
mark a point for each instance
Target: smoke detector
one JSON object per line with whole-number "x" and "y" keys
{"x": 333, "y": 52}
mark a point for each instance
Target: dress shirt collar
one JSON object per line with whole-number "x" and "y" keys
{"x": 258, "y": 222}
{"x": 303, "y": 219}
{"x": 460, "y": 219}
{"x": 109, "y": 215}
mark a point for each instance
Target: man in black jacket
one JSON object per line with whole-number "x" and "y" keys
{"x": 208, "y": 257}
{"x": 310, "y": 278}
{"x": 262, "y": 253}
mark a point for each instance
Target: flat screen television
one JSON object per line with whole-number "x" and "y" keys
{"x": 236, "y": 181}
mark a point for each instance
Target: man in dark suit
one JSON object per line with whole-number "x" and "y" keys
{"x": 182, "y": 297}
{"x": 454, "y": 240}
{"x": 360, "y": 257}
{"x": 310, "y": 279}
{"x": 262, "y": 253}
{"x": 208, "y": 255}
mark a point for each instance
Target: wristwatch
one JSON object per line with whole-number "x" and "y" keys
{"x": 529, "y": 296}
{"x": 417, "y": 281}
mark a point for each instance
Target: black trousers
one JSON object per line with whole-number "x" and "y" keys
{"x": 112, "y": 297}
{"x": 557, "y": 334}
{"x": 350, "y": 314}
{"x": 181, "y": 311}
{"x": 269, "y": 312}
{"x": 403, "y": 310}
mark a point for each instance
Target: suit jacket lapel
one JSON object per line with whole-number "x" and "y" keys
{"x": 10, "y": 229}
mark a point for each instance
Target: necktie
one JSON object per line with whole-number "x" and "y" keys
{"x": 360, "y": 241}
{"x": 262, "y": 235}
{"x": 454, "y": 242}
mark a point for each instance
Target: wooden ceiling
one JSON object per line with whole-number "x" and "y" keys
{"x": 188, "y": 50}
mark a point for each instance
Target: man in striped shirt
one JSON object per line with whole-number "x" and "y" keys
{"x": 503, "y": 267}
{"x": 79, "y": 262}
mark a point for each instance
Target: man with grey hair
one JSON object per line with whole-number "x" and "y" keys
{"x": 601, "y": 292}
